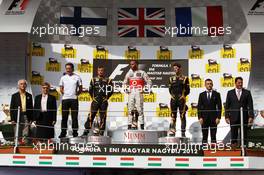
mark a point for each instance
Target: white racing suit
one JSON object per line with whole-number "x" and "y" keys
{"x": 136, "y": 83}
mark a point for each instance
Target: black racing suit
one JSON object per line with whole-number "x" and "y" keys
{"x": 101, "y": 89}
{"x": 179, "y": 88}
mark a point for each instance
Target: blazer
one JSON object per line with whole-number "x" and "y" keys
{"x": 51, "y": 107}
{"x": 209, "y": 109}
{"x": 233, "y": 105}
{"x": 16, "y": 102}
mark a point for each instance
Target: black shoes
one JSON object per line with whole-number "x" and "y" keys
{"x": 62, "y": 135}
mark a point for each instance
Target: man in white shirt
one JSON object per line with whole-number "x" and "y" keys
{"x": 70, "y": 87}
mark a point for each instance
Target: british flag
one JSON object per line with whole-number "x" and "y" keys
{"x": 141, "y": 22}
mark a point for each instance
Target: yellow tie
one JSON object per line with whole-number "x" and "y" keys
{"x": 23, "y": 102}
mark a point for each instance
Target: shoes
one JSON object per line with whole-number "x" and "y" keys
{"x": 75, "y": 134}
{"x": 129, "y": 127}
{"x": 142, "y": 126}
{"x": 62, "y": 136}
{"x": 183, "y": 134}
{"x": 85, "y": 133}
{"x": 172, "y": 132}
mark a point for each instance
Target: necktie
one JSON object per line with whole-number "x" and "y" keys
{"x": 238, "y": 94}
{"x": 208, "y": 95}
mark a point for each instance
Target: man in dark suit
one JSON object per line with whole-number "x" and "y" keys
{"x": 23, "y": 100}
{"x": 45, "y": 113}
{"x": 235, "y": 99}
{"x": 209, "y": 111}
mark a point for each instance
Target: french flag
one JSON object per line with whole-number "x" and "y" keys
{"x": 210, "y": 16}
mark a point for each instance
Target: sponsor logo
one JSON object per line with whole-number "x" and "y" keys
{"x": 132, "y": 53}
{"x": 227, "y": 51}
{"x": 53, "y": 91}
{"x": 257, "y": 8}
{"x": 212, "y": 66}
{"x": 134, "y": 136}
{"x": 85, "y": 66}
{"x": 85, "y": 96}
{"x": 100, "y": 52}
{"x": 244, "y": 65}
{"x": 193, "y": 110}
{"x": 37, "y": 50}
{"x": 196, "y": 81}
{"x": 36, "y": 78}
{"x": 117, "y": 97}
{"x": 196, "y": 52}
{"x": 164, "y": 53}
{"x": 68, "y": 51}
{"x": 163, "y": 110}
{"x": 126, "y": 111}
{"x": 150, "y": 97}
{"x": 227, "y": 80}
{"x": 17, "y": 7}
{"x": 53, "y": 65}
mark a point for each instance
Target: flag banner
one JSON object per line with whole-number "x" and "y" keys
{"x": 199, "y": 21}
{"x": 93, "y": 21}
{"x": 141, "y": 22}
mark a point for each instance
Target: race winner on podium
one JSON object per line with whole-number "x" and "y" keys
{"x": 135, "y": 83}
{"x": 179, "y": 88}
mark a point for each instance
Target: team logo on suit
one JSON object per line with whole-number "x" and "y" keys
{"x": 85, "y": 66}
{"x": 100, "y": 52}
{"x": 196, "y": 81}
{"x": 212, "y": 66}
{"x": 227, "y": 51}
{"x": 53, "y": 65}
{"x": 68, "y": 51}
{"x": 244, "y": 65}
{"x": 196, "y": 52}
{"x": 227, "y": 80}
{"x": 132, "y": 53}
{"x": 36, "y": 78}
{"x": 37, "y": 50}
{"x": 164, "y": 53}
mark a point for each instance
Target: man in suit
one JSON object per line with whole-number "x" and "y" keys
{"x": 45, "y": 112}
{"x": 235, "y": 99}
{"x": 23, "y": 100}
{"x": 209, "y": 111}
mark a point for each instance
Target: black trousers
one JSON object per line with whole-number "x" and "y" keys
{"x": 235, "y": 128}
{"x": 181, "y": 106}
{"x": 209, "y": 124}
{"x": 95, "y": 107}
{"x": 66, "y": 106}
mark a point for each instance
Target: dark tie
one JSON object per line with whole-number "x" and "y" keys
{"x": 208, "y": 95}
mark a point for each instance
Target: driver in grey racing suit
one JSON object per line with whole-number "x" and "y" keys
{"x": 137, "y": 82}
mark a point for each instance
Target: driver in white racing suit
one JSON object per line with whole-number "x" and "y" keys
{"x": 136, "y": 82}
